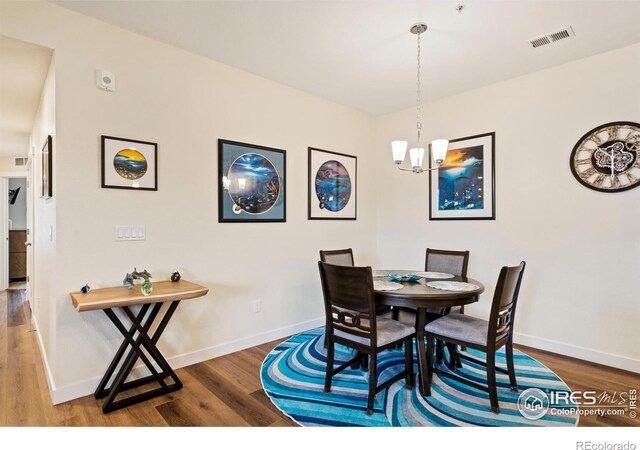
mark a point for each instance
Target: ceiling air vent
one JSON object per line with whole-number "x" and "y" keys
{"x": 21, "y": 161}
{"x": 552, "y": 37}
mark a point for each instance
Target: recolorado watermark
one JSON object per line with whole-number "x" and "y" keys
{"x": 534, "y": 403}
{"x": 589, "y": 445}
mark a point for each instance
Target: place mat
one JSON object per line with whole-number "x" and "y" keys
{"x": 380, "y": 285}
{"x": 434, "y": 274}
{"x": 452, "y": 285}
{"x": 380, "y": 273}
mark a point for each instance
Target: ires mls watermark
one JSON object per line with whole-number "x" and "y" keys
{"x": 534, "y": 403}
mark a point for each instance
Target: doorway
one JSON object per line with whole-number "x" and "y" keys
{"x": 18, "y": 233}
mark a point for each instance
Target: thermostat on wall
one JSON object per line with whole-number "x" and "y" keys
{"x": 105, "y": 80}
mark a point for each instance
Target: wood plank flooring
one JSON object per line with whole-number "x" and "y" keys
{"x": 222, "y": 392}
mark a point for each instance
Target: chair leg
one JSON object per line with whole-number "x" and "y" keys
{"x": 453, "y": 356}
{"x": 395, "y": 313}
{"x": 462, "y": 348}
{"x": 511, "y": 367}
{"x": 408, "y": 363}
{"x": 439, "y": 351}
{"x": 372, "y": 382}
{"x": 364, "y": 362}
{"x": 491, "y": 381}
{"x": 356, "y": 364}
{"x": 329, "y": 373}
{"x": 429, "y": 373}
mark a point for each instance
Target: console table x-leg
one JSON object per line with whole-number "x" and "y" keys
{"x": 137, "y": 344}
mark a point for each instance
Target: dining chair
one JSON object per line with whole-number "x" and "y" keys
{"x": 351, "y": 320}
{"x": 454, "y": 262}
{"x": 486, "y": 336}
{"x": 446, "y": 261}
{"x": 344, "y": 257}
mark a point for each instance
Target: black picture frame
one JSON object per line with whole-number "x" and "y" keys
{"x": 474, "y": 197}
{"x": 47, "y": 168}
{"x": 122, "y": 164}
{"x": 333, "y": 196}
{"x": 251, "y": 183}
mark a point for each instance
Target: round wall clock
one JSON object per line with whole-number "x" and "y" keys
{"x": 607, "y": 158}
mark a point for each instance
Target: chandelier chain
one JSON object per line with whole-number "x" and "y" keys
{"x": 418, "y": 118}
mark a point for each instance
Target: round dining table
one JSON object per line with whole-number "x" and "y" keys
{"x": 419, "y": 296}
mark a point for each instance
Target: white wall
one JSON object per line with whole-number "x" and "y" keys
{"x": 18, "y": 210}
{"x": 8, "y": 166}
{"x": 43, "y": 246}
{"x": 184, "y": 103}
{"x": 580, "y": 293}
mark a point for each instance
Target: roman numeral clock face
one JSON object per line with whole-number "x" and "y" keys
{"x": 607, "y": 158}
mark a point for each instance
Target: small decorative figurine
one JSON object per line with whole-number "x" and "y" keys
{"x": 86, "y": 288}
{"x": 175, "y": 276}
{"x": 146, "y": 287}
{"x": 128, "y": 281}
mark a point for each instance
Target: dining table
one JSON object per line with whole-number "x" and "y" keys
{"x": 420, "y": 291}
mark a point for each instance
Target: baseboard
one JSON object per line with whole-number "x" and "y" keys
{"x": 86, "y": 387}
{"x": 43, "y": 355}
{"x": 574, "y": 351}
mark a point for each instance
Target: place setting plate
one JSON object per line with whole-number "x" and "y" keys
{"x": 452, "y": 285}
{"x": 435, "y": 275}
{"x": 380, "y": 285}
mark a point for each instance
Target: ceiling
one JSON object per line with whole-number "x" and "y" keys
{"x": 361, "y": 53}
{"x": 23, "y": 70}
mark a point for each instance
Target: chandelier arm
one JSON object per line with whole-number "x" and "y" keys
{"x": 417, "y": 170}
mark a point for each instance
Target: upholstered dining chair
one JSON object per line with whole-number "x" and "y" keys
{"x": 344, "y": 257}
{"x": 341, "y": 257}
{"x": 454, "y": 262}
{"x": 486, "y": 336}
{"x": 447, "y": 261}
{"x": 351, "y": 320}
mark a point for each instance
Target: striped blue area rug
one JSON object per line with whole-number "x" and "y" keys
{"x": 293, "y": 377}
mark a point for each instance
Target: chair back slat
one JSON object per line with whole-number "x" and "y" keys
{"x": 343, "y": 257}
{"x": 447, "y": 261}
{"x": 349, "y": 299}
{"x": 504, "y": 303}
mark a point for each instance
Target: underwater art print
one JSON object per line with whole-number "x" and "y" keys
{"x": 129, "y": 164}
{"x": 251, "y": 183}
{"x": 332, "y": 185}
{"x": 463, "y": 186}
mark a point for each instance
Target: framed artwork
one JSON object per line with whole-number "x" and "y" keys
{"x": 129, "y": 164}
{"x": 13, "y": 195}
{"x": 47, "y": 168}
{"x": 251, "y": 183}
{"x": 464, "y": 186}
{"x": 332, "y": 185}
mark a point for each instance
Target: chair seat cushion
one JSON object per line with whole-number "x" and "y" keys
{"x": 460, "y": 327}
{"x": 388, "y": 331}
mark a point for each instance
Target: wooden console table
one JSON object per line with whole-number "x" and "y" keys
{"x": 137, "y": 336}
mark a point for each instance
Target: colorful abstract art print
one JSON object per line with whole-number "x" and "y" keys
{"x": 332, "y": 185}
{"x": 251, "y": 183}
{"x": 129, "y": 164}
{"x": 463, "y": 187}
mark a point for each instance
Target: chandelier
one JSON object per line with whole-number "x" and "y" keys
{"x": 416, "y": 154}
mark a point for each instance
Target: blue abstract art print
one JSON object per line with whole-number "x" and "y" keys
{"x": 251, "y": 183}
{"x": 463, "y": 187}
{"x": 332, "y": 185}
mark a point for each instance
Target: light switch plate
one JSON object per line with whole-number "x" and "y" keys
{"x": 130, "y": 233}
